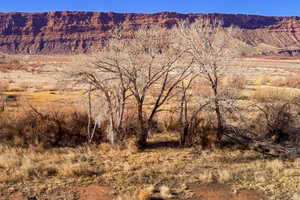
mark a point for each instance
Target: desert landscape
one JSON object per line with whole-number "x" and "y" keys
{"x": 103, "y": 106}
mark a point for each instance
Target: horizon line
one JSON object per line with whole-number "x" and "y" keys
{"x": 148, "y": 13}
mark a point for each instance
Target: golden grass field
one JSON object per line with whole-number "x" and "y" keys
{"x": 51, "y": 173}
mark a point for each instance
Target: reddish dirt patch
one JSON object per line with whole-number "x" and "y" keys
{"x": 17, "y": 198}
{"x": 94, "y": 192}
{"x": 220, "y": 192}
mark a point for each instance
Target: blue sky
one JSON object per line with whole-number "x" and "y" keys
{"x": 262, "y": 7}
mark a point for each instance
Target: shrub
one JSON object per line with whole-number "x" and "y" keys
{"x": 202, "y": 132}
{"x": 46, "y": 128}
{"x": 52, "y": 127}
{"x": 275, "y": 121}
{"x": 129, "y": 127}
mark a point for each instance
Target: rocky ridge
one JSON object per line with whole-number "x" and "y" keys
{"x": 79, "y": 32}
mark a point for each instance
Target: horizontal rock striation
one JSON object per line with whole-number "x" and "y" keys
{"x": 79, "y": 32}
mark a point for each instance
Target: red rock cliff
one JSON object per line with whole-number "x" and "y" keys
{"x": 75, "y": 32}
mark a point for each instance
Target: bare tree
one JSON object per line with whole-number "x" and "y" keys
{"x": 103, "y": 73}
{"x": 208, "y": 43}
{"x": 105, "y": 77}
{"x": 154, "y": 73}
{"x": 145, "y": 65}
{"x": 189, "y": 109}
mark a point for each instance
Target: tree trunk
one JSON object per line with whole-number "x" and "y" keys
{"x": 111, "y": 132}
{"x": 220, "y": 127}
{"x": 142, "y": 135}
{"x": 184, "y": 134}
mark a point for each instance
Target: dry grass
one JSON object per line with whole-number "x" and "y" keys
{"x": 46, "y": 171}
{"x": 144, "y": 195}
{"x": 165, "y": 192}
{"x": 235, "y": 81}
{"x": 297, "y": 163}
{"x": 3, "y": 85}
{"x": 275, "y": 165}
{"x": 224, "y": 176}
{"x": 206, "y": 177}
{"x": 128, "y": 172}
{"x": 270, "y": 94}
{"x": 292, "y": 81}
{"x": 296, "y": 196}
{"x": 39, "y": 98}
{"x": 46, "y": 127}
{"x": 27, "y": 165}
{"x": 70, "y": 169}
{"x": 8, "y": 161}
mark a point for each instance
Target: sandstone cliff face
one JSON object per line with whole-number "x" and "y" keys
{"x": 77, "y": 32}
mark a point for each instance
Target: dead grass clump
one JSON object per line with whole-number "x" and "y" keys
{"x": 235, "y": 81}
{"x": 105, "y": 147}
{"x": 206, "y": 177}
{"x": 132, "y": 145}
{"x": 297, "y": 163}
{"x": 296, "y": 196}
{"x": 165, "y": 192}
{"x": 9, "y": 161}
{"x": 34, "y": 172}
{"x": 70, "y": 169}
{"x": 17, "y": 177}
{"x": 30, "y": 169}
{"x": 275, "y": 165}
{"x": 290, "y": 172}
{"x": 224, "y": 176}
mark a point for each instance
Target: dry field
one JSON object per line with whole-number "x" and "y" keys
{"x": 52, "y": 173}
{"x": 47, "y": 82}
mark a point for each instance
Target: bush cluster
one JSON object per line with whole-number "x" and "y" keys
{"x": 47, "y": 128}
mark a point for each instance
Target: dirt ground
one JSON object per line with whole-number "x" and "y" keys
{"x": 210, "y": 192}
